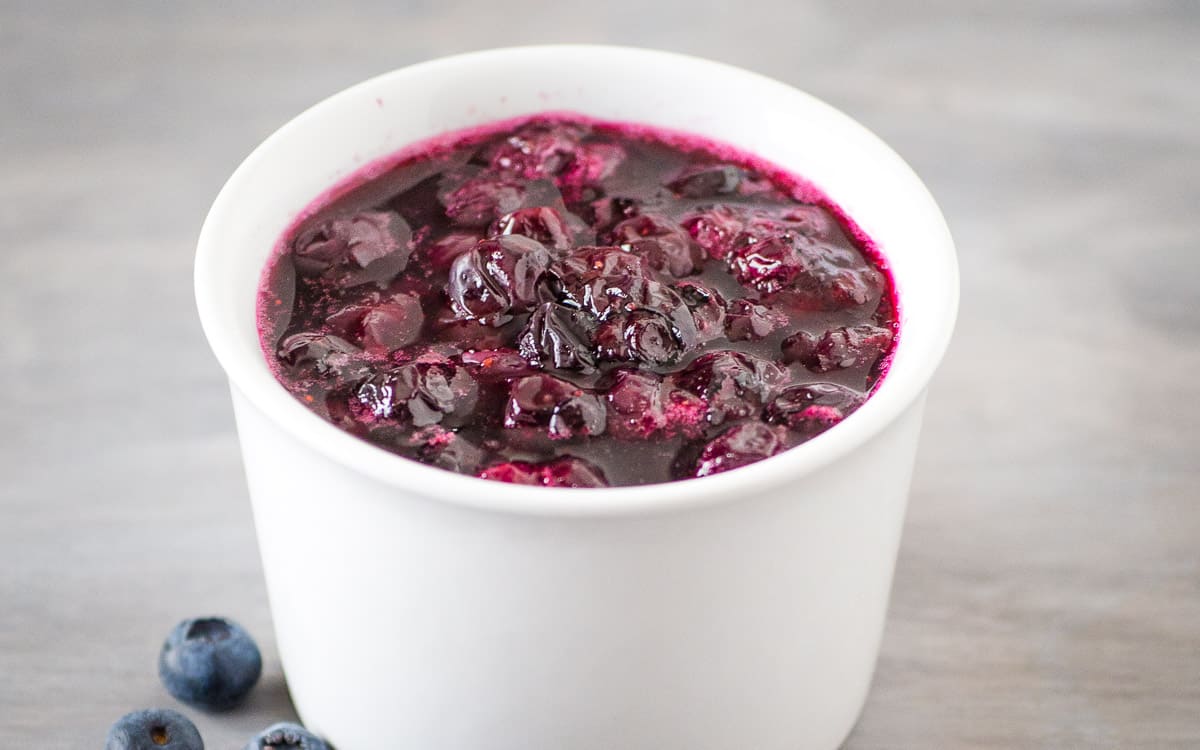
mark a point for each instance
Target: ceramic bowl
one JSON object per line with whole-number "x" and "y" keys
{"x": 416, "y": 608}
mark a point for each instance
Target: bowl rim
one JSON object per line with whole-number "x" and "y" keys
{"x": 255, "y": 382}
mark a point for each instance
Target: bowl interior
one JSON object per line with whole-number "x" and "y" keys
{"x": 375, "y": 119}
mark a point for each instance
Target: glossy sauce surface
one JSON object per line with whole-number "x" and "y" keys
{"x": 571, "y": 303}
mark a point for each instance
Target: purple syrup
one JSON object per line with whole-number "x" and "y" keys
{"x": 562, "y": 302}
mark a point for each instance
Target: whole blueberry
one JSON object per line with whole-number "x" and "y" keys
{"x": 209, "y": 662}
{"x": 154, "y": 729}
{"x": 286, "y": 736}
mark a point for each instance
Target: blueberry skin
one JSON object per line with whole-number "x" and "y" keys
{"x": 209, "y": 662}
{"x": 154, "y": 729}
{"x": 287, "y": 736}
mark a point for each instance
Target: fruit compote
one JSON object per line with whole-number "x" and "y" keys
{"x": 568, "y": 303}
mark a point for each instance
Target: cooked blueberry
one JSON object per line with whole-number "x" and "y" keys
{"x": 590, "y": 164}
{"x": 537, "y": 150}
{"x": 838, "y": 348}
{"x": 644, "y": 337}
{"x": 736, "y": 447}
{"x": 440, "y": 253}
{"x": 813, "y": 221}
{"x": 773, "y": 254}
{"x": 154, "y": 729}
{"x": 852, "y": 287}
{"x": 563, "y": 410}
{"x": 497, "y": 278}
{"x": 556, "y": 337}
{"x": 569, "y": 471}
{"x": 768, "y": 265}
{"x": 641, "y": 405}
{"x": 664, "y": 244}
{"x": 446, "y": 449}
{"x": 605, "y": 213}
{"x": 541, "y": 223}
{"x": 813, "y": 407}
{"x": 708, "y": 309}
{"x": 318, "y": 352}
{"x": 478, "y": 201}
{"x": 800, "y": 347}
{"x": 210, "y": 662}
{"x": 715, "y": 229}
{"x": 708, "y": 180}
{"x": 589, "y": 262}
{"x": 513, "y": 472}
{"x": 380, "y": 327}
{"x": 362, "y": 239}
{"x": 751, "y": 321}
{"x": 419, "y": 393}
{"x": 603, "y": 298}
{"x": 286, "y": 736}
{"x": 496, "y": 364}
{"x": 836, "y": 275}
{"x": 734, "y": 385}
{"x": 393, "y": 325}
{"x": 346, "y": 321}
{"x": 565, "y": 471}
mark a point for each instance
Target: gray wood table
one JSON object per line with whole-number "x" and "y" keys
{"x": 1048, "y": 591}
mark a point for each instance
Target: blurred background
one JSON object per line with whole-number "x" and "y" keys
{"x": 1048, "y": 589}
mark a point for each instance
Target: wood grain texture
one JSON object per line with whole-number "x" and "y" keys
{"x": 1048, "y": 590}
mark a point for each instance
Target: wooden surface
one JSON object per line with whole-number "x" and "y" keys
{"x": 1048, "y": 590}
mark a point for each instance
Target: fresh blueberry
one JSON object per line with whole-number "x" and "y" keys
{"x": 209, "y": 662}
{"x": 154, "y": 729}
{"x": 287, "y": 736}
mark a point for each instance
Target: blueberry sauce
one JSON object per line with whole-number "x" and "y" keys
{"x": 562, "y": 302}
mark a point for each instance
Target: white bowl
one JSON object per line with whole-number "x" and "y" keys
{"x": 416, "y": 608}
